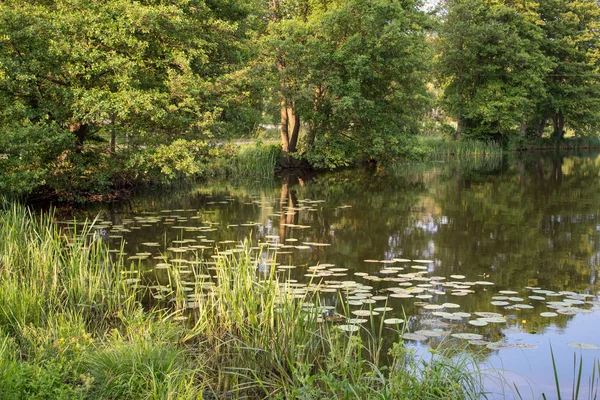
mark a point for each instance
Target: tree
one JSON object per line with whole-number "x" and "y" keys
{"x": 570, "y": 41}
{"x": 355, "y": 72}
{"x": 491, "y": 65}
{"x": 152, "y": 71}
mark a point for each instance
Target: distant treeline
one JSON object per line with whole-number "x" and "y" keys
{"x": 95, "y": 93}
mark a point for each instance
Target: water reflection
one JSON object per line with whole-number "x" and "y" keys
{"x": 524, "y": 225}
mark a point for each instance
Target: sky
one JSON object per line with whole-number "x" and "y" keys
{"x": 429, "y": 4}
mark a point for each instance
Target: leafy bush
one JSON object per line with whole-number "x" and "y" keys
{"x": 29, "y": 154}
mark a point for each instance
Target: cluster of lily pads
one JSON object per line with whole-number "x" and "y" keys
{"x": 391, "y": 289}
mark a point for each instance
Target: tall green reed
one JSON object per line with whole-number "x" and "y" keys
{"x": 67, "y": 303}
{"x": 254, "y": 161}
{"x": 594, "y": 379}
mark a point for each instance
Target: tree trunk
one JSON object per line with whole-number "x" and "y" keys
{"x": 294, "y": 120}
{"x": 459, "y": 127}
{"x": 559, "y": 126}
{"x": 113, "y": 135}
{"x": 523, "y": 129}
{"x": 289, "y": 119}
{"x": 285, "y": 137}
{"x": 540, "y": 127}
{"x": 81, "y": 132}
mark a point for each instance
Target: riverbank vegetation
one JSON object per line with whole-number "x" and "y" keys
{"x": 78, "y": 321}
{"x": 99, "y": 97}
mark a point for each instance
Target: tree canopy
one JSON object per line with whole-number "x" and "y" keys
{"x": 510, "y": 67}
{"x": 153, "y": 71}
{"x": 85, "y": 83}
{"x": 355, "y": 72}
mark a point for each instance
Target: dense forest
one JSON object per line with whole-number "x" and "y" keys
{"x": 99, "y": 95}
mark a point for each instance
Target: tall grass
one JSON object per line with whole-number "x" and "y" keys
{"x": 254, "y": 161}
{"x": 61, "y": 296}
{"x": 594, "y": 379}
{"x": 270, "y": 341}
{"x": 439, "y": 148}
{"x": 72, "y": 326}
{"x": 45, "y": 274}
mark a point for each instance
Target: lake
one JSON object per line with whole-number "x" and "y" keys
{"x": 497, "y": 257}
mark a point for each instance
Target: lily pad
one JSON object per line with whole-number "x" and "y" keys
{"x": 498, "y": 346}
{"x": 451, "y": 305}
{"x": 414, "y": 336}
{"x": 584, "y": 346}
{"x": 478, "y": 322}
{"x": 523, "y": 306}
{"x": 393, "y": 321}
{"x": 364, "y": 313}
{"x": 478, "y": 342}
{"x": 356, "y": 320}
{"x": 493, "y": 320}
{"x": 548, "y": 314}
{"x": 462, "y": 314}
{"x": 348, "y": 328}
{"x": 429, "y": 333}
{"x": 486, "y": 314}
{"x": 467, "y": 336}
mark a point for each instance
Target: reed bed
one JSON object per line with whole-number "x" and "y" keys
{"x": 73, "y": 325}
{"x": 254, "y": 161}
{"x": 439, "y": 148}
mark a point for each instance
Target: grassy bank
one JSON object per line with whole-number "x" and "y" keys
{"x": 439, "y": 148}
{"x": 72, "y": 325}
{"x": 101, "y": 176}
{"x": 568, "y": 143}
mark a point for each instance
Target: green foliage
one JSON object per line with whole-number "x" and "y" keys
{"x": 135, "y": 68}
{"x": 572, "y": 87}
{"x": 171, "y": 161}
{"x": 508, "y": 68}
{"x": 74, "y": 73}
{"x": 256, "y": 161}
{"x": 30, "y": 155}
{"x": 350, "y": 79}
{"x": 491, "y": 66}
{"x": 355, "y": 73}
{"x": 147, "y": 365}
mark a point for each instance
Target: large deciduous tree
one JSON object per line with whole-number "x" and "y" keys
{"x": 491, "y": 65}
{"x": 571, "y": 40}
{"x": 149, "y": 70}
{"x": 508, "y": 67}
{"x": 354, "y": 72}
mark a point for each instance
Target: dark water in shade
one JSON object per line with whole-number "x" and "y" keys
{"x": 520, "y": 225}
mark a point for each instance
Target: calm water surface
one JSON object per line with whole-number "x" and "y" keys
{"x": 438, "y": 243}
